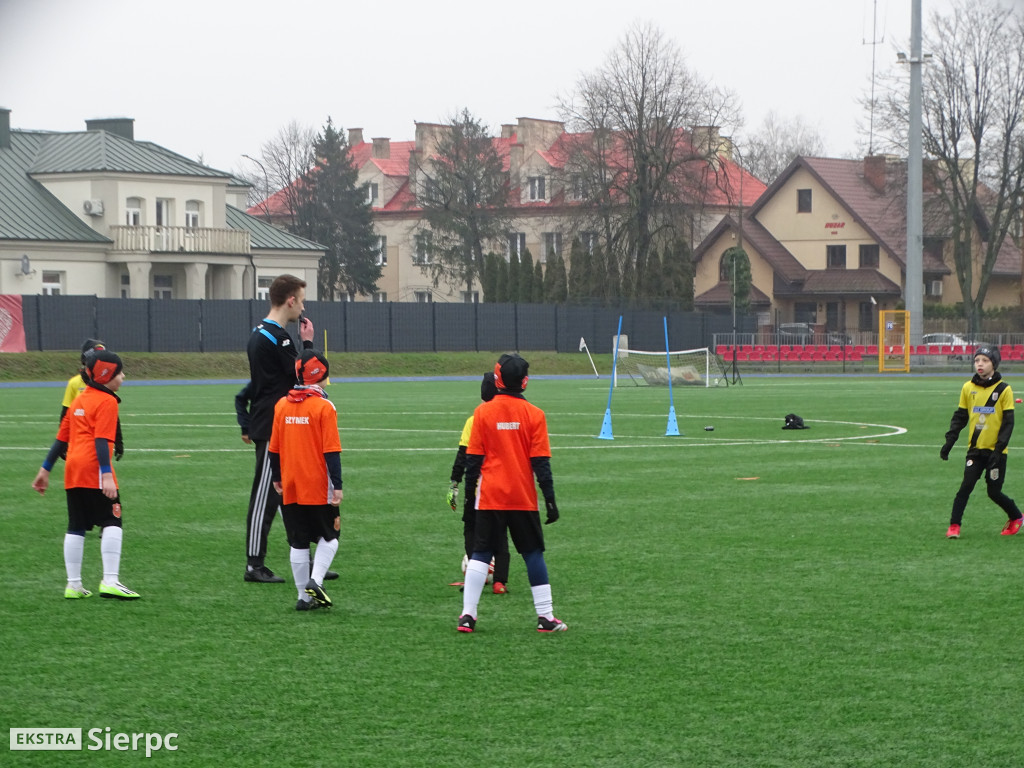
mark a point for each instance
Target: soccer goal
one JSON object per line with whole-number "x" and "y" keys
{"x": 693, "y": 367}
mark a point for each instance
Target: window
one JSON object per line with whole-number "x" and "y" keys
{"x": 52, "y": 283}
{"x": 263, "y": 288}
{"x": 163, "y": 286}
{"x": 380, "y": 297}
{"x": 803, "y": 201}
{"x": 471, "y": 297}
{"x": 835, "y": 257}
{"x": 133, "y": 211}
{"x": 192, "y": 210}
{"x": 536, "y": 184}
{"x": 382, "y": 251}
{"x": 579, "y": 189}
{"x": 423, "y": 297}
{"x": 516, "y": 245}
{"x": 422, "y": 254}
{"x": 805, "y": 312}
{"x": 126, "y": 285}
{"x": 163, "y": 212}
{"x": 867, "y": 312}
{"x": 869, "y": 256}
{"x": 589, "y": 241}
{"x": 372, "y": 191}
{"x": 552, "y": 246}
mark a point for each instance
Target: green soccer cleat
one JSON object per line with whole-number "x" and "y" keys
{"x": 76, "y": 593}
{"x": 118, "y": 592}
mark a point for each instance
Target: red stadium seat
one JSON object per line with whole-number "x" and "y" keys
{"x": 872, "y": 350}
{"x": 727, "y": 355}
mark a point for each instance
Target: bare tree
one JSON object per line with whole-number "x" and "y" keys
{"x": 776, "y": 142}
{"x": 973, "y": 135}
{"x": 463, "y": 191}
{"x": 284, "y": 161}
{"x": 636, "y": 162}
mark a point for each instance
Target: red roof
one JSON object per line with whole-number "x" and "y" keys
{"x": 726, "y": 185}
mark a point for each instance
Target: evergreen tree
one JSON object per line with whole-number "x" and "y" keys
{"x": 628, "y": 288}
{"x": 488, "y": 281}
{"x": 538, "y": 284}
{"x": 556, "y": 289}
{"x": 513, "y": 278}
{"x": 334, "y": 212}
{"x": 654, "y": 289}
{"x": 580, "y": 281}
{"x": 501, "y": 290}
{"x": 735, "y": 258}
{"x": 526, "y": 277}
{"x": 678, "y": 268}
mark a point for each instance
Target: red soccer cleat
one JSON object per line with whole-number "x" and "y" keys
{"x": 953, "y": 532}
{"x": 499, "y": 588}
{"x": 1012, "y": 527}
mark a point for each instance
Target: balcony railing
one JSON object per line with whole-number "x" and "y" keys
{"x": 179, "y": 239}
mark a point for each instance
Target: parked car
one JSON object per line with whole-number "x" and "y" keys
{"x": 802, "y": 333}
{"x": 936, "y": 341}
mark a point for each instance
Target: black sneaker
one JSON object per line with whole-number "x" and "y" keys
{"x": 330, "y": 576}
{"x": 550, "y": 625}
{"x": 466, "y": 623}
{"x": 307, "y": 605}
{"x": 262, "y": 574}
{"x": 315, "y": 591}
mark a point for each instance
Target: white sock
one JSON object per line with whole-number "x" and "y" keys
{"x": 476, "y": 577}
{"x": 110, "y": 548}
{"x": 74, "y": 549}
{"x": 542, "y": 601}
{"x": 325, "y": 552}
{"x": 300, "y": 570}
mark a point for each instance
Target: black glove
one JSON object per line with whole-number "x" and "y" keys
{"x": 993, "y": 460}
{"x": 552, "y": 511}
{"x": 944, "y": 451}
{"x": 118, "y": 450}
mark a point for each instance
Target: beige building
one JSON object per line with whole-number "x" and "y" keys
{"x": 97, "y": 212}
{"x": 827, "y": 247}
{"x": 546, "y": 209}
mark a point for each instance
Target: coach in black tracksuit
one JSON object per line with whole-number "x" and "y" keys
{"x": 272, "y": 357}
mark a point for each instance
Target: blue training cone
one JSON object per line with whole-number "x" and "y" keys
{"x": 606, "y": 427}
{"x": 672, "y": 430}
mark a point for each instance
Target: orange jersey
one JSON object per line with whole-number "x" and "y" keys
{"x": 92, "y": 415}
{"x": 508, "y": 431}
{"x": 302, "y": 433}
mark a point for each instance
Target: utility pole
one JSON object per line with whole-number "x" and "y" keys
{"x": 914, "y": 290}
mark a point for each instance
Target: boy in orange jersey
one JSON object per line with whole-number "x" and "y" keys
{"x": 305, "y": 464}
{"x": 87, "y": 433}
{"x": 76, "y": 385}
{"x": 508, "y": 446}
{"x": 501, "y": 556}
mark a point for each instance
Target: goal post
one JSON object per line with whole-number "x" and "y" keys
{"x": 689, "y": 367}
{"x": 893, "y": 341}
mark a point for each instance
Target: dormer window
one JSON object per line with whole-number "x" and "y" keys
{"x": 372, "y": 192}
{"x": 536, "y": 185}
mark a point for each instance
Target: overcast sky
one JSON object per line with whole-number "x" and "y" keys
{"x": 218, "y": 78}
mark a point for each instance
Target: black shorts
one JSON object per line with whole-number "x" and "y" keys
{"x": 89, "y": 508}
{"x": 522, "y": 526}
{"x": 305, "y": 524}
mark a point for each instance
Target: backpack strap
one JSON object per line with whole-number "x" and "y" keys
{"x": 994, "y": 397}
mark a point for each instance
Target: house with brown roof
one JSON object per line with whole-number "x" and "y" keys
{"x": 827, "y": 247}
{"x": 536, "y": 155}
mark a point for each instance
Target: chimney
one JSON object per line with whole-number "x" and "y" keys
{"x": 508, "y": 130}
{"x": 381, "y": 149}
{"x": 874, "y": 171}
{"x": 119, "y": 126}
{"x": 705, "y": 139}
{"x": 355, "y": 136}
{"x": 5, "y": 128}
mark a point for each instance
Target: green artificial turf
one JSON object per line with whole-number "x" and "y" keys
{"x": 742, "y": 597}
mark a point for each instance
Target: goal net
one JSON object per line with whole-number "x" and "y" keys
{"x": 693, "y": 367}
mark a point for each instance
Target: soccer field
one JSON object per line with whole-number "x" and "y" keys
{"x": 742, "y": 597}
